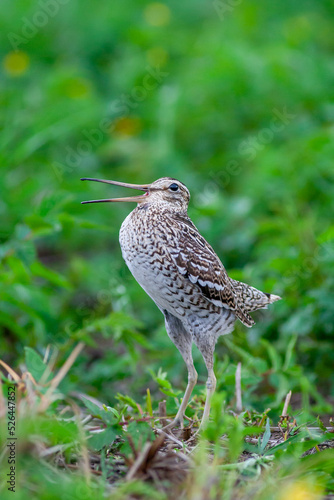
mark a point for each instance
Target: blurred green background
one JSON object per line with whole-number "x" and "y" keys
{"x": 235, "y": 99}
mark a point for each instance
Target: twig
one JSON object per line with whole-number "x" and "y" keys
{"x": 329, "y": 429}
{"x": 11, "y": 372}
{"x": 139, "y": 462}
{"x": 143, "y": 419}
{"x": 171, "y": 437}
{"x": 54, "y": 449}
{"x": 76, "y": 467}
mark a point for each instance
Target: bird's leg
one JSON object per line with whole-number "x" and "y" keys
{"x": 192, "y": 379}
{"x": 183, "y": 341}
{"x": 210, "y": 387}
{"x": 206, "y": 346}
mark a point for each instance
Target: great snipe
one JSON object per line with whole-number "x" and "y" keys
{"x": 181, "y": 272}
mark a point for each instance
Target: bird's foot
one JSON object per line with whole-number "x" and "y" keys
{"x": 177, "y": 422}
{"x": 177, "y": 431}
{"x": 176, "y": 428}
{"x": 195, "y": 433}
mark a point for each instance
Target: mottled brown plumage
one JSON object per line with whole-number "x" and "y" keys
{"x": 181, "y": 272}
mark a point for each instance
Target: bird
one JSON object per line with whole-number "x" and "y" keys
{"x": 183, "y": 275}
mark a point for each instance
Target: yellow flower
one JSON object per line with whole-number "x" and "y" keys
{"x": 127, "y": 126}
{"x": 157, "y": 14}
{"x": 16, "y": 63}
{"x": 157, "y": 56}
{"x": 77, "y": 88}
{"x": 301, "y": 490}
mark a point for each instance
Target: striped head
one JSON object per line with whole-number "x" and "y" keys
{"x": 167, "y": 191}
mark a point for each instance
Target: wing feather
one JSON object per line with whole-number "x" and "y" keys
{"x": 196, "y": 260}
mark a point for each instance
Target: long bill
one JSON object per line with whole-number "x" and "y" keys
{"x": 137, "y": 199}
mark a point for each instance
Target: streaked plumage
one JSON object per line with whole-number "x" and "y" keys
{"x": 181, "y": 272}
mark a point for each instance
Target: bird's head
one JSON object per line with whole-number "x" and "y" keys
{"x": 165, "y": 191}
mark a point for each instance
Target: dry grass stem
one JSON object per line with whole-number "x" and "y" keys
{"x": 286, "y": 404}
{"x": 162, "y": 413}
{"x": 3, "y": 408}
{"x": 238, "y": 388}
{"x": 60, "y": 375}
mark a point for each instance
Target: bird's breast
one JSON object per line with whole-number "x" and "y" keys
{"x": 145, "y": 239}
{"x": 143, "y": 247}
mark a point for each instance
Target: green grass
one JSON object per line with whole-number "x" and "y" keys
{"x": 89, "y": 448}
{"x": 235, "y": 100}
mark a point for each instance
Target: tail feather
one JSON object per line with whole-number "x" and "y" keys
{"x": 244, "y": 317}
{"x": 250, "y": 299}
{"x": 273, "y": 298}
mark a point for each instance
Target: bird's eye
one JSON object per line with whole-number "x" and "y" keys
{"x": 174, "y": 187}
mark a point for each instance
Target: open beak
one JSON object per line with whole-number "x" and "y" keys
{"x": 137, "y": 199}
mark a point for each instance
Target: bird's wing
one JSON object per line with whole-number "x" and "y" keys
{"x": 196, "y": 260}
